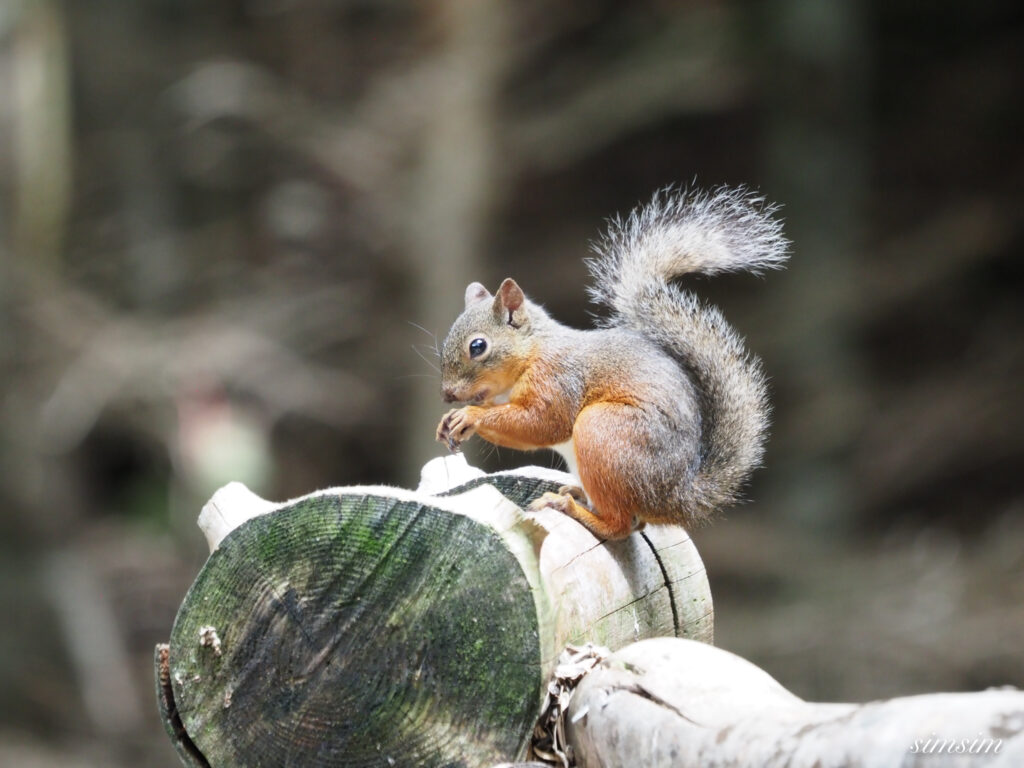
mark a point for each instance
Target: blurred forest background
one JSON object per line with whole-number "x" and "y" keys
{"x": 230, "y": 231}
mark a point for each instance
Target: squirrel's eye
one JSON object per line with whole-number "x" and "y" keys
{"x": 478, "y": 347}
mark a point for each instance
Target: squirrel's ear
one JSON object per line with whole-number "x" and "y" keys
{"x": 509, "y": 303}
{"x": 476, "y": 292}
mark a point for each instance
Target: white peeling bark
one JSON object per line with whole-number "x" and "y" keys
{"x": 672, "y": 702}
{"x": 229, "y": 507}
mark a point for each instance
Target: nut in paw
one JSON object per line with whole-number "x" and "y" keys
{"x": 456, "y": 427}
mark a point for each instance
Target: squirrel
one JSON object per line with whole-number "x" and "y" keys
{"x": 661, "y": 411}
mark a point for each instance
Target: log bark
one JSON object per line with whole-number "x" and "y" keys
{"x": 376, "y": 626}
{"x": 672, "y": 702}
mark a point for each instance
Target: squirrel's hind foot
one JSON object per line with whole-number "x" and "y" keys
{"x": 562, "y": 501}
{"x": 602, "y": 527}
{"x": 576, "y": 492}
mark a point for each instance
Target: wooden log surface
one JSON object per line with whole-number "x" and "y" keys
{"x": 673, "y": 702}
{"x": 376, "y": 626}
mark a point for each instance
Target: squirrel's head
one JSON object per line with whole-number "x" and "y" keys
{"x": 488, "y": 346}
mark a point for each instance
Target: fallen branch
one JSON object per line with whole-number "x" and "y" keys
{"x": 668, "y": 701}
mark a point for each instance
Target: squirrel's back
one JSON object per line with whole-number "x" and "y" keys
{"x": 637, "y": 262}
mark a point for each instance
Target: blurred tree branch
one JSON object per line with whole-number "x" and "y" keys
{"x": 41, "y": 131}
{"x": 688, "y": 66}
{"x": 248, "y": 344}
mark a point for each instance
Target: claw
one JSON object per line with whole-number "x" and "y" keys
{"x": 576, "y": 492}
{"x": 552, "y": 500}
{"x": 454, "y": 429}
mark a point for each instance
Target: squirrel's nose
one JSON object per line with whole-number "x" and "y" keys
{"x": 449, "y": 395}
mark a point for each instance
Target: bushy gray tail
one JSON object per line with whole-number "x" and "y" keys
{"x": 676, "y": 234}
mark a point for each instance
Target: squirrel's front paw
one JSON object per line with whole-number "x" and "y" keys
{"x": 456, "y": 427}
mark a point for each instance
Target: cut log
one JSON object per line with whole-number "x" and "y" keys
{"x": 376, "y": 626}
{"x": 672, "y": 702}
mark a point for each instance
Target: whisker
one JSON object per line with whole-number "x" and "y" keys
{"x": 431, "y": 334}
{"x": 420, "y": 327}
{"x": 428, "y": 348}
{"x": 494, "y": 452}
{"x": 424, "y": 359}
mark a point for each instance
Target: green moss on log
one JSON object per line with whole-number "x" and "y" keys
{"x": 358, "y": 630}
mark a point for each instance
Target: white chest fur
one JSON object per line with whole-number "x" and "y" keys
{"x": 568, "y": 452}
